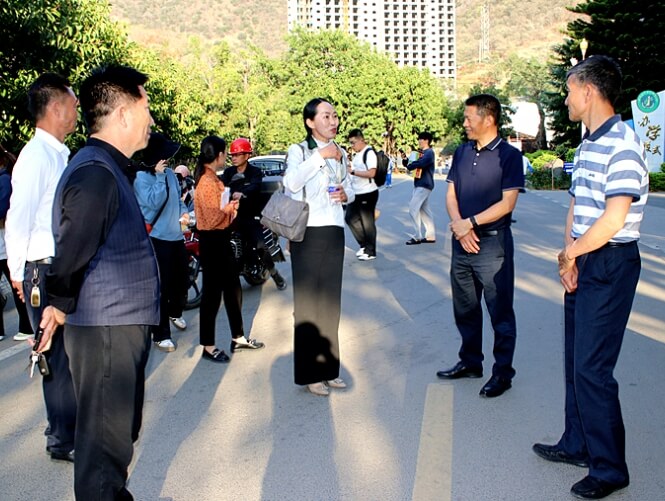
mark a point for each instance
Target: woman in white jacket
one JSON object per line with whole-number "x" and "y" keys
{"x": 317, "y": 173}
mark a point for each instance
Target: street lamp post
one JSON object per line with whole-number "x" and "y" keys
{"x": 584, "y": 45}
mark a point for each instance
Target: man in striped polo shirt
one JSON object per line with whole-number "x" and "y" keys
{"x": 599, "y": 269}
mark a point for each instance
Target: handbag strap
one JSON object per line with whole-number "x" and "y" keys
{"x": 161, "y": 209}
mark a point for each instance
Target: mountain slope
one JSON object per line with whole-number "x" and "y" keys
{"x": 529, "y": 28}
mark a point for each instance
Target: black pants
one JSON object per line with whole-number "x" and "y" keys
{"x": 219, "y": 276}
{"x": 23, "y": 319}
{"x": 316, "y": 265}
{"x": 108, "y": 370}
{"x": 173, "y": 281}
{"x": 596, "y": 316}
{"x": 58, "y": 389}
{"x": 491, "y": 273}
{"x": 360, "y": 218}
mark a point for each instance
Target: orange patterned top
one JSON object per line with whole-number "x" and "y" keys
{"x": 207, "y": 202}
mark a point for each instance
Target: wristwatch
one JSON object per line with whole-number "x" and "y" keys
{"x": 474, "y": 223}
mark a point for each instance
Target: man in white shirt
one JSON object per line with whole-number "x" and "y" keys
{"x": 360, "y": 213}
{"x": 30, "y": 243}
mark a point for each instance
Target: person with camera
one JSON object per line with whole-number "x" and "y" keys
{"x": 158, "y": 193}
{"x": 186, "y": 186}
{"x": 244, "y": 181}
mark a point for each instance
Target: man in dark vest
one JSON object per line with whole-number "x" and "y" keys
{"x": 103, "y": 283}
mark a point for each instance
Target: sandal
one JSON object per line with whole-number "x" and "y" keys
{"x": 413, "y": 241}
{"x": 425, "y": 241}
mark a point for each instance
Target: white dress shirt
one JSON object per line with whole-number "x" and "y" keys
{"x": 314, "y": 173}
{"x": 28, "y": 231}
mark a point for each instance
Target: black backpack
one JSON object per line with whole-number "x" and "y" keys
{"x": 382, "y": 163}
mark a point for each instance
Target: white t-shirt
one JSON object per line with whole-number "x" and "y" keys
{"x": 362, "y": 185}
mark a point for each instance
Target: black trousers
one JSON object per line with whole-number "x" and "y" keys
{"x": 360, "y": 218}
{"x": 316, "y": 265}
{"x": 58, "y": 389}
{"x": 173, "y": 281}
{"x": 596, "y": 316}
{"x": 108, "y": 370}
{"x": 491, "y": 273}
{"x": 219, "y": 276}
{"x": 23, "y": 319}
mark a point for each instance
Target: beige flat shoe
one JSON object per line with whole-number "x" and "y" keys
{"x": 319, "y": 389}
{"x": 337, "y": 383}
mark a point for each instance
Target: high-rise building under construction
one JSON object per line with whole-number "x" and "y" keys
{"x": 418, "y": 33}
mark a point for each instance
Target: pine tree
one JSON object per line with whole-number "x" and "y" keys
{"x": 630, "y": 31}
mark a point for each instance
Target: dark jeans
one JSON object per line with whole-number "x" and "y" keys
{"x": 108, "y": 370}
{"x": 596, "y": 316}
{"x": 317, "y": 264}
{"x": 58, "y": 389}
{"x": 219, "y": 272}
{"x": 173, "y": 281}
{"x": 23, "y": 319}
{"x": 490, "y": 273}
{"x": 360, "y": 218}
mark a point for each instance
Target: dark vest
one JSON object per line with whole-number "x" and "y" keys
{"x": 121, "y": 284}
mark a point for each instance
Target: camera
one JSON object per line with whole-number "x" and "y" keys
{"x": 143, "y": 167}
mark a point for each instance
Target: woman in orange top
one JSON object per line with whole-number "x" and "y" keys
{"x": 218, "y": 264}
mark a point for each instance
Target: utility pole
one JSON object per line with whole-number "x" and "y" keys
{"x": 484, "y": 49}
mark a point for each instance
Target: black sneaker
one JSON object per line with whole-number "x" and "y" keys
{"x": 279, "y": 281}
{"x": 242, "y": 343}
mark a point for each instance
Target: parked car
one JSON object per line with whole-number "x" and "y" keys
{"x": 271, "y": 165}
{"x": 273, "y": 168}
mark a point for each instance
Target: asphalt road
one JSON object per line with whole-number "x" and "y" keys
{"x": 244, "y": 431}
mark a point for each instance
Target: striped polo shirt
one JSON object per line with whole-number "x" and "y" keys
{"x": 609, "y": 163}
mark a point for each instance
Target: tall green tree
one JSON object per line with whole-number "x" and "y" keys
{"x": 370, "y": 92}
{"x": 529, "y": 80}
{"x": 65, "y": 36}
{"x": 630, "y": 31}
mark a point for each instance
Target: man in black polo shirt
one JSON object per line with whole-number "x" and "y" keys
{"x": 485, "y": 179}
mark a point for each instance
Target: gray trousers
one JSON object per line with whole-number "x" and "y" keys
{"x": 421, "y": 214}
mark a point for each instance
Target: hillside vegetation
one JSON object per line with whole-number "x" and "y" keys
{"x": 528, "y": 28}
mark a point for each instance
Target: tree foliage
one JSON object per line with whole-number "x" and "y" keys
{"x": 214, "y": 89}
{"x": 630, "y": 31}
{"x": 65, "y": 36}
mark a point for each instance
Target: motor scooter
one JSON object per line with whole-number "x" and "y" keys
{"x": 250, "y": 265}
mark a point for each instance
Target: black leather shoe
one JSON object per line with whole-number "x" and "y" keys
{"x": 459, "y": 371}
{"x": 557, "y": 455}
{"x": 496, "y": 386}
{"x": 60, "y": 455}
{"x": 594, "y": 488}
{"x": 216, "y": 356}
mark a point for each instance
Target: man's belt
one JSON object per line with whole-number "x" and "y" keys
{"x": 46, "y": 260}
{"x": 487, "y": 233}
{"x": 619, "y": 244}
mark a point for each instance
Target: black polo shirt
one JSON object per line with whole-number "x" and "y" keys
{"x": 481, "y": 176}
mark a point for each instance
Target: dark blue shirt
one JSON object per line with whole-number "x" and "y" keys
{"x": 481, "y": 176}
{"x": 426, "y": 164}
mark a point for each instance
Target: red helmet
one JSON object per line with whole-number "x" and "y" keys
{"x": 241, "y": 145}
